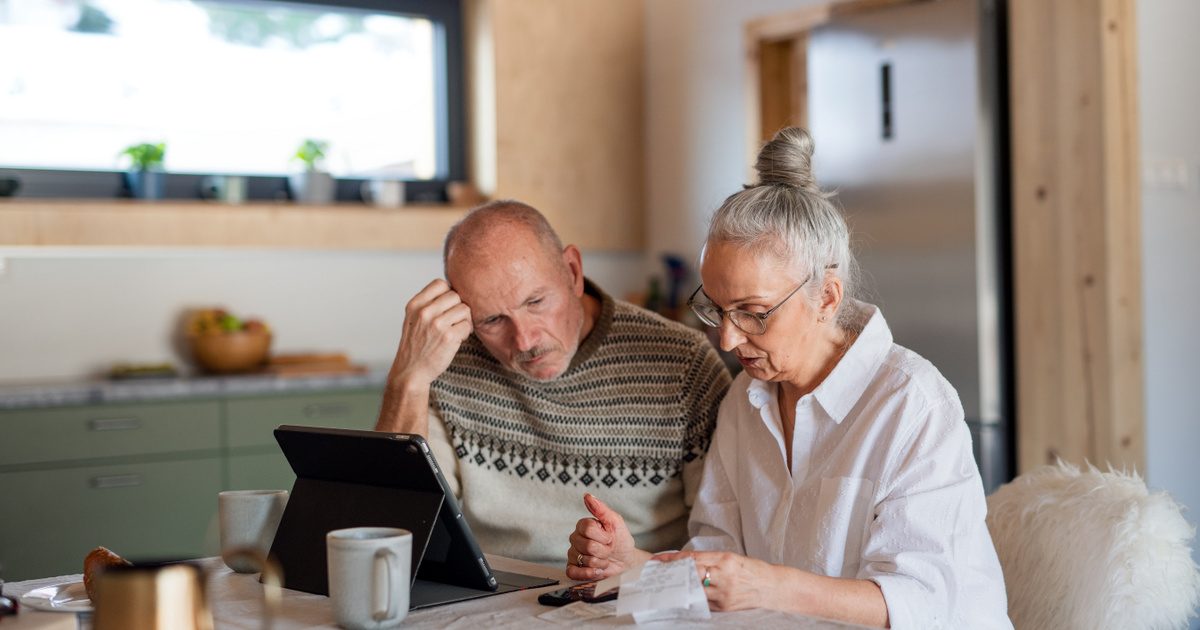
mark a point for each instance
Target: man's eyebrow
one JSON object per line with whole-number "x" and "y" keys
{"x": 539, "y": 292}
{"x": 535, "y": 293}
{"x": 485, "y": 318}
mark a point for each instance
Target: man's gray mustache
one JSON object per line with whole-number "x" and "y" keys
{"x": 532, "y": 353}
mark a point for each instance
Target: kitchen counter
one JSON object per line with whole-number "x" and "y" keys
{"x": 90, "y": 392}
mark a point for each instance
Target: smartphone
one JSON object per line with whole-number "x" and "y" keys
{"x": 585, "y": 592}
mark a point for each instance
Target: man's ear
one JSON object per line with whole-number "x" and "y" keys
{"x": 574, "y": 262}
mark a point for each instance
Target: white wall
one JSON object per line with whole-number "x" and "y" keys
{"x": 1170, "y": 99}
{"x": 67, "y": 313}
{"x": 696, "y": 114}
{"x": 696, "y": 156}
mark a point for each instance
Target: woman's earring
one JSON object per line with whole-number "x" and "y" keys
{"x": 822, "y": 319}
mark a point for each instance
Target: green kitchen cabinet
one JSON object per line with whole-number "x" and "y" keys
{"x": 250, "y": 421}
{"x": 267, "y": 471}
{"x": 254, "y": 460}
{"x": 142, "y": 511}
{"x": 98, "y": 431}
{"x": 142, "y": 478}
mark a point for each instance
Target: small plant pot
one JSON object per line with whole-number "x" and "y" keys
{"x": 313, "y": 187}
{"x": 146, "y": 184}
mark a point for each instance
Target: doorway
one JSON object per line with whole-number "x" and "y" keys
{"x": 777, "y": 58}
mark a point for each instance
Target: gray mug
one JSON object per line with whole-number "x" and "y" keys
{"x": 249, "y": 519}
{"x": 369, "y": 569}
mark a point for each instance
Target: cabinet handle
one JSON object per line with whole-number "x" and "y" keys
{"x": 114, "y": 424}
{"x": 326, "y": 410}
{"x": 116, "y": 481}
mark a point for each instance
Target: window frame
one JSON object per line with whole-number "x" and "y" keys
{"x": 449, "y": 118}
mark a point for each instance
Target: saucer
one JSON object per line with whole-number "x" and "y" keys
{"x": 64, "y": 597}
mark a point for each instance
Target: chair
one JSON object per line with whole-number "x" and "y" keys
{"x": 1091, "y": 549}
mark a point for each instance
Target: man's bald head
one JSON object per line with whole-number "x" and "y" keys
{"x": 484, "y": 226}
{"x": 525, "y": 290}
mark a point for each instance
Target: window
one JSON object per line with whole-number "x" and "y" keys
{"x": 230, "y": 87}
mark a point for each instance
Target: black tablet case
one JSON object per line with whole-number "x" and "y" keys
{"x": 347, "y": 478}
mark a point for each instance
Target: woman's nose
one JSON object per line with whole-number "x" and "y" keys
{"x": 731, "y": 336}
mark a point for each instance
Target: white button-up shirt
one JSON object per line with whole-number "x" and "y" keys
{"x": 883, "y": 486}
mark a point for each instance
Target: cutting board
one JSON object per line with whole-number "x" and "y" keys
{"x": 310, "y": 364}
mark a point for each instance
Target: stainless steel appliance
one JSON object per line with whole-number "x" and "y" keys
{"x": 906, "y": 105}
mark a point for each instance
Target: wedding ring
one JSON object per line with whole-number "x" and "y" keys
{"x": 579, "y": 560}
{"x": 707, "y": 582}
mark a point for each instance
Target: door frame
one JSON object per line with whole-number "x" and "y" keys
{"x": 776, "y": 49}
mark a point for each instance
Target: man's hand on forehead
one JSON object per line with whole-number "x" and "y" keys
{"x": 436, "y": 322}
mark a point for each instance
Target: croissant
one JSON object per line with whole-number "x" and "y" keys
{"x": 95, "y": 563}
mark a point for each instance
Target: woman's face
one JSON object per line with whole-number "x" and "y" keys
{"x": 738, "y": 278}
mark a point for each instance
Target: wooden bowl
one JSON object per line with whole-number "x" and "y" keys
{"x": 230, "y": 352}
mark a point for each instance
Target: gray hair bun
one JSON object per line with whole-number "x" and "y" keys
{"x": 786, "y": 215}
{"x": 786, "y": 160}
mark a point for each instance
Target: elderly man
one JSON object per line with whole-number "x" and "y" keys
{"x": 533, "y": 385}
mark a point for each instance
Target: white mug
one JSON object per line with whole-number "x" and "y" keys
{"x": 225, "y": 188}
{"x": 369, "y": 576}
{"x": 385, "y": 193}
{"x": 235, "y": 189}
{"x": 249, "y": 519}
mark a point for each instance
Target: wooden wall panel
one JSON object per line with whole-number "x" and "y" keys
{"x": 1076, "y": 222}
{"x": 782, "y": 83}
{"x": 775, "y": 87}
{"x": 569, "y": 115}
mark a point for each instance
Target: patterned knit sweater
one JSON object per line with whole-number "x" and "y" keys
{"x": 629, "y": 421}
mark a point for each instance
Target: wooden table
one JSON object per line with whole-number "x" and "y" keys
{"x": 236, "y": 604}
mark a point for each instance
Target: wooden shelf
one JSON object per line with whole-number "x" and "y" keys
{"x": 82, "y": 222}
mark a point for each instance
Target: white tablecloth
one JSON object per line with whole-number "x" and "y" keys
{"x": 236, "y": 601}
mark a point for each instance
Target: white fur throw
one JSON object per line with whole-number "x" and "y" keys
{"x": 1091, "y": 550}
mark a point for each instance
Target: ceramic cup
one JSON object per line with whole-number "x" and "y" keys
{"x": 249, "y": 519}
{"x": 369, "y": 570}
{"x": 224, "y": 188}
{"x": 385, "y": 193}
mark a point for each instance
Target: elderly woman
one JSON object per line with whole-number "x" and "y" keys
{"x": 840, "y": 481}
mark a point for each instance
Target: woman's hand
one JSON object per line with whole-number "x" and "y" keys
{"x": 735, "y": 582}
{"x": 601, "y": 546}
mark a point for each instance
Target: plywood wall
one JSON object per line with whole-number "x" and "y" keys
{"x": 569, "y": 114}
{"x": 1077, "y": 232}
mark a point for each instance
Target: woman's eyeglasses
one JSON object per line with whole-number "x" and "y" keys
{"x": 746, "y": 321}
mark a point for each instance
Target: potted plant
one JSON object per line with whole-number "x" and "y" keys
{"x": 145, "y": 177}
{"x": 312, "y": 185}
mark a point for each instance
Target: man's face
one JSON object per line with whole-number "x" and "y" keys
{"x": 526, "y": 302}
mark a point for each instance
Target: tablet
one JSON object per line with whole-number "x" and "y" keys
{"x": 347, "y": 478}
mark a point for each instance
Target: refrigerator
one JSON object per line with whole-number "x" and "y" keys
{"x": 906, "y": 105}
